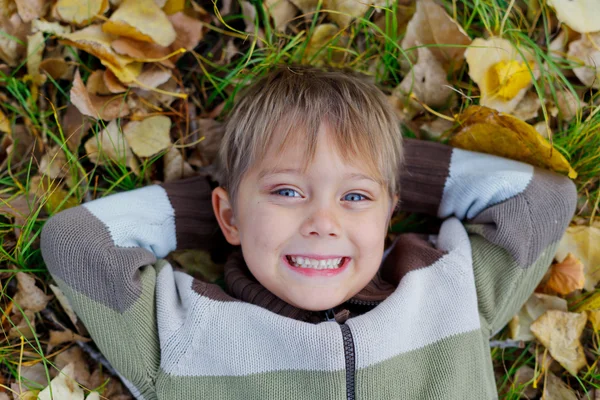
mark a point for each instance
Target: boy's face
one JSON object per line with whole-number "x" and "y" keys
{"x": 324, "y": 212}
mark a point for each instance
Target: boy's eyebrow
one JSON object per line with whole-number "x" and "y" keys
{"x": 352, "y": 175}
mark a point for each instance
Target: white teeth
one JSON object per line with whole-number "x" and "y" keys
{"x": 303, "y": 262}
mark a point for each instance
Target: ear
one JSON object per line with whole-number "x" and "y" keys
{"x": 224, "y": 213}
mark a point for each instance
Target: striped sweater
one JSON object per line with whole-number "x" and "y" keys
{"x": 419, "y": 330}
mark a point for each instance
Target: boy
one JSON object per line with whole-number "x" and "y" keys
{"x": 312, "y": 167}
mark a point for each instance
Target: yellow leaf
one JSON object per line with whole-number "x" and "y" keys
{"x": 559, "y": 332}
{"x": 63, "y": 386}
{"x": 4, "y": 123}
{"x": 509, "y": 78}
{"x": 536, "y": 305}
{"x": 488, "y": 131}
{"x": 566, "y": 276}
{"x": 141, "y": 20}
{"x": 149, "y": 136}
{"x": 80, "y": 12}
{"x": 580, "y": 15}
{"x": 594, "y": 318}
{"x": 582, "y": 241}
{"x": 174, "y": 6}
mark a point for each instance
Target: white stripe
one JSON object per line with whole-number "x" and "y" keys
{"x": 477, "y": 181}
{"x": 430, "y": 304}
{"x": 138, "y": 218}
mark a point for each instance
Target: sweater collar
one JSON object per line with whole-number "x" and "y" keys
{"x": 242, "y": 285}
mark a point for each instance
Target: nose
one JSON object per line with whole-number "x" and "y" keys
{"x": 321, "y": 222}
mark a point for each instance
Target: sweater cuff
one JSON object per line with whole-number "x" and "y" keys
{"x": 196, "y": 226}
{"x": 423, "y": 176}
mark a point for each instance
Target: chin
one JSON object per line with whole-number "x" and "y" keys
{"x": 316, "y": 305}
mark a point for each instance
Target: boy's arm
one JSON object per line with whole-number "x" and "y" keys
{"x": 515, "y": 215}
{"x": 101, "y": 255}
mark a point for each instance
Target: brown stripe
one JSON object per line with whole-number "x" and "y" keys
{"x": 410, "y": 252}
{"x": 195, "y": 222}
{"x": 527, "y": 223}
{"x": 423, "y": 176}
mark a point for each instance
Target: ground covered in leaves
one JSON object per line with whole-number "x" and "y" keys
{"x": 99, "y": 96}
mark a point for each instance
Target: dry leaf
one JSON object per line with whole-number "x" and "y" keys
{"x": 96, "y": 42}
{"x": 102, "y": 107}
{"x": 64, "y": 302}
{"x": 501, "y": 73}
{"x": 567, "y": 105}
{"x": 524, "y": 375}
{"x": 594, "y": 318}
{"x": 142, "y": 51}
{"x": 580, "y": 15}
{"x": 35, "y": 49}
{"x": 556, "y": 389}
{"x": 559, "y": 332}
{"x": 173, "y": 6}
{"x": 4, "y": 123}
{"x": 149, "y": 136}
{"x": 199, "y": 264}
{"x": 586, "y": 50}
{"x": 582, "y": 242}
{"x": 53, "y": 28}
{"x": 54, "y": 196}
{"x": 63, "y": 386}
{"x": 25, "y": 325}
{"x": 74, "y": 126}
{"x": 435, "y": 129}
{"x": 29, "y": 296}
{"x": 57, "y": 68}
{"x": 566, "y": 276}
{"x": 325, "y": 36}
{"x": 109, "y": 145}
{"x": 431, "y": 25}
{"x": 141, "y": 20}
{"x": 111, "y": 82}
{"x": 95, "y": 83}
{"x": 12, "y": 50}
{"x": 306, "y": 6}
{"x": 189, "y": 31}
{"x": 488, "y": 131}
{"x": 31, "y": 9}
{"x": 175, "y": 167}
{"x": 282, "y": 12}
{"x": 80, "y": 12}
{"x": 534, "y": 307}
{"x": 54, "y": 163}
{"x": 528, "y": 108}
{"x": 152, "y": 76}
{"x": 427, "y": 81}
{"x": 34, "y": 373}
{"x": 59, "y": 337}
{"x": 75, "y": 356}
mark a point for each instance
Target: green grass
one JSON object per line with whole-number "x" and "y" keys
{"x": 363, "y": 46}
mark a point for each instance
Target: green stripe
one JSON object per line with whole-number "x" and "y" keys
{"x": 455, "y": 368}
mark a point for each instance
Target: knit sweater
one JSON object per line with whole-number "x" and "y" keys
{"x": 419, "y": 330}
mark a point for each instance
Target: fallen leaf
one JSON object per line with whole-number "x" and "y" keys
{"x": 141, "y": 20}
{"x": 559, "y": 332}
{"x": 435, "y": 129}
{"x": 528, "y": 107}
{"x": 142, "y": 51}
{"x": 28, "y": 295}
{"x": 173, "y": 6}
{"x": 524, "y": 376}
{"x": 534, "y": 307}
{"x": 95, "y": 41}
{"x": 488, "y": 131}
{"x": 54, "y": 163}
{"x": 580, "y": 15}
{"x": 594, "y": 318}
{"x": 25, "y": 325}
{"x": 102, "y": 107}
{"x": 35, "y": 49}
{"x": 35, "y": 373}
{"x": 175, "y": 167}
{"x": 59, "y": 337}
{"x": 188, "y": 31}
{"x": 64, "y": 302}
{"x": 53, "y": 28}
{"x": 80, "y": 12}
{"x": 4, "y": 123}
{"x": 112, "y": 83}
{"x": 348, "y": 9}
{"x": 13, "y": 27}
{"x": 152, "y": 76}
{"x": 582, "y": 241}
{"x": 74, "y": 126}
{"x": 282, "y": 12}
{"x": 31, "y": 9}
{"x": 57, "y": 68}
{"x": 566, "y": 276}
{"x": 63, "y": 386}
{"x": 306, "y": 6}
{"x": 76, "y": 357}
{"x": 109, "y": 145}
{"x": 324, "y": 40}
{"x": 556, "y": 389}
{"x": 427, "y": 81}
{"x": 567, "y": 105}
{"x": 586, "y": 51}
{"x": 199, "y": 264}
{"x": 501, "y": 72}
{"x": 54, "y": 197}
{"x": 150, "y": 136}
{"x": 431, "y": 25}
{"x": 207, "y": 149}
{"x": 95, "y": 83}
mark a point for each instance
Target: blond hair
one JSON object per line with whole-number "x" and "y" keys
{"x": 294, "y": 100}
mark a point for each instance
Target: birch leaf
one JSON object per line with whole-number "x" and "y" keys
{"x": 109, "y": 144}
{"x": 80, "y": 12}
{"x": 4, "y": 123}
{"x": 149, "y": 136}
{"x": 489, "y": 131}
{"x": 586, "y": 51}
{"x": 534, "y": 307}
{"x": 582, "y": 241}
{"x": 559, "y": 332}
{"x": 63, "y": 386}
{"x": 141, "y": 20}
{"x": 29, "y": 296}
{"x": 556, "y": 389}
{"x": 566, "y": 276}
{"x": 103, "y": 107}
{"x": 580, "y": 15}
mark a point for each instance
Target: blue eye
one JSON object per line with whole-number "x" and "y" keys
{"x": 290, "y": 193}
{"x": 356, "y": 195}
{"x": 286, "y": 190}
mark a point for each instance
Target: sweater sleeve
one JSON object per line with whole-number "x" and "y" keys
{"x": 103, "y": 256}
{"x": 515, "y": 215}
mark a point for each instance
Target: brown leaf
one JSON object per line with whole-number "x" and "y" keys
{"x": 431, "y": 25}
{"x": 107, "y": 108}
{"x": 4, "y": 123}
{"x": 142, "y": 51}
{"x": 582, "y": 242}
{"x": 54, "y": 163}
{"x": 175, "y": 167}
{"x": 528, "y": 108}
{"x": 95, "y": 83}
{"x": 57, "y": 68}
{"x": 559, "y": 332}
{"x": 25, "y": 325}
{"x": 64, "y": 302}
{"x": 566, "y": 276}
{"x": 586, "y": 51}
{"x": 282, "y": 11}
{"x": 524, "y": 375}
{"x": 109, "y": 145}
{"x": 76, "y": 357}
{"x": 189, "y": 31}
{"x": 112, "y": 83}
{"x": 28, "y": 295}
{"x": 319, "y": 45}
{"x": 63, "y": 386}
{"x": 556, "y": 389}
{"x": 150, "y": 136}
{"x": 152, "y": 76}
{"x": 141, "y": 20}
{"x": 12, "y": 50}
{"x": 35, "y": 49}
{"x": 59, "y": 337}
{"x": 74, "y": 126}
{"x": 32, "y": 9}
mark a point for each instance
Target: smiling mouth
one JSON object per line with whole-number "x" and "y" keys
{"x": 311, "y": 263}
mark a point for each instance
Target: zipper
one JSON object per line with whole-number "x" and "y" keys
{"x": 349, "y": 356}
{"x": 363, "y": 302}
